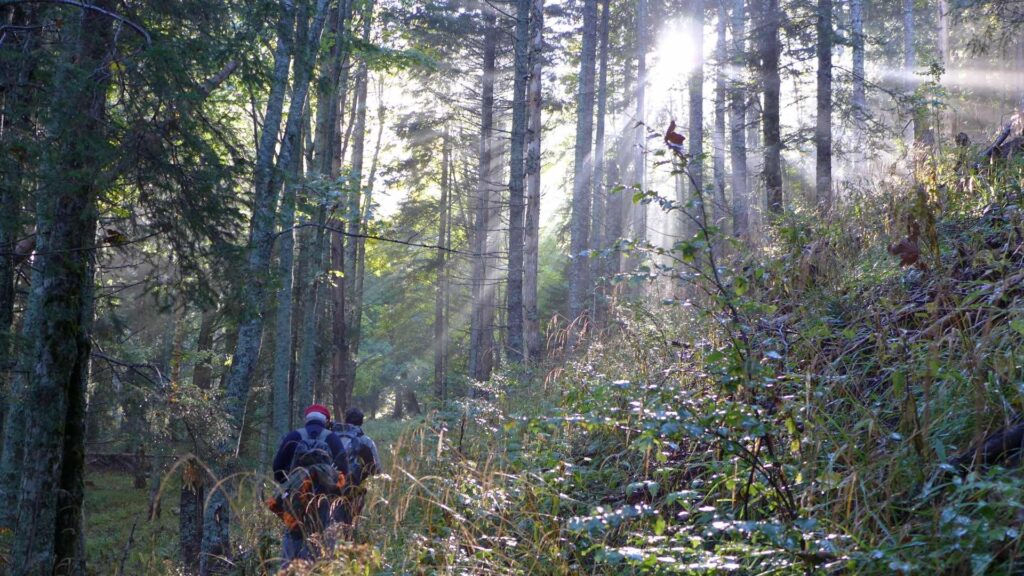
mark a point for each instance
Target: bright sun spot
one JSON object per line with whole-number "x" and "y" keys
{"x": 672, "y": 59}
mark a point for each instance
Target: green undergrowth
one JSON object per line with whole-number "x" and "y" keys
{"x": 120, "y": 538}
{"x": 794, "y": 411}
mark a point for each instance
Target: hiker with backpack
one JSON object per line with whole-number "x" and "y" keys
{"x": 363, "y": 462}
{"x": 311, "y": 469}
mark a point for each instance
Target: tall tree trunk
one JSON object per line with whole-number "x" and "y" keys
{"x": 942, "y": 9}
{"x": 216, "y": 523}
{"x": 193, "y": 486}
{"x": 579, "y": 226}
{"x": 516, "y": 203}
{"x": 531, "y": 314}
{"x": 353, "y": 314}
{"x": 721, "y": 60}
{"x": 640, "y": 155}
{"x": 331, "y": 91}
{"x": 283, "y": 358}
{"x": 823, "y": 127}
{"x": 18, "y": 104}
{"x": 339, "y": 336}
{"x": 696, "y": 92}
{"x": 11, "y": 460}
{"x": 481, "y": 339}
{"x": 754, "y": 168}
{"x": 603, "y": 204}
{"x": 771, "y": 50}
{"x": 738, "y": 123}
{"x": 909, "y": 63}
{"x": 858, "y": 97}
{"x": 441, "y": 290}
{"x": 48, "y": 534}
{"x": 288, "y": 171}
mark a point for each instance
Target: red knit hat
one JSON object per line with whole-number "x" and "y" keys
{"x": 318, "y": 412}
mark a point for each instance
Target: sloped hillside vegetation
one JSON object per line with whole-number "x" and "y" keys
{"x": 818, "y": 408}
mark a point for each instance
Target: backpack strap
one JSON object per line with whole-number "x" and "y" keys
{"x": 304, "y": 434}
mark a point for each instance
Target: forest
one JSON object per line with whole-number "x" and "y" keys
{"x": 619, "y": 286}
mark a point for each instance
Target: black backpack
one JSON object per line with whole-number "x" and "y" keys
{"x": 352, "y": 443}
{"x": 311, "y": 450}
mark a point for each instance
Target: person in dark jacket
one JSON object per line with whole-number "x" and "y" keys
{"x": 318, "y": 426}
{"x": 364, "y": 461}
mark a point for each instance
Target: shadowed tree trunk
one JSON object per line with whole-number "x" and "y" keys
{"x": 17, "y": 103}
{"x": 531, "y": 315}
{"x": 48, "y": 534}
{"x": 290, "y": 170}
{"x": 332, "y": 88}
{"x": 353, "y": 265}
{"x": 738, "y": 124}
{"x": 603, "y": 204}
{"x": 909, "y": 60}
{"x": 441, "y": 290}
{"x": 720, "y": 203}
{"x": 823, "y": 127}
{"x": 858, "y": 98}
{"x": 339, "y": 339}
{"x": 579, "y": 224}
{"x": 770, "y": 49}
{"x": 696, "y": 93}
{"x": 516, "y": 204}
{"x": 481, "y": 339}
{"x": 640, "y": 156}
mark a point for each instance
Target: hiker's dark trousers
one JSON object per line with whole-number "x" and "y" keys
{"x": 294, "y": 548}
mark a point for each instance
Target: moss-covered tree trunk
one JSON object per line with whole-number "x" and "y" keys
{"x": 48, "y": 532}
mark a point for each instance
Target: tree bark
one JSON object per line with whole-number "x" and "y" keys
{"x": 579, "y": 226}
{"x": 331, "y": 93}
{"x": 481, "y": 339}
{"x": 531, "y": 314}
{"x": 289, "y": 167}
{"x": 737, "y": 125}
{"x": 17, "y": 106}
{"x": 441, "y": 290}
{"x": 858, "y": 97}
{"x": 640, "y": 132}
{"x": 353, "y": 210}
{"x": 771, "y": 50}
{"x": 48, "y": 534}
{"x": 603, "y": 204}
{"x": 909, "y": 63}
{"x": 515, "y": 343}
{"x": 721, "y": 58}
{"x": 339, "y": 336}
{"x": 823, "y": 127}
{"x": 696, "y": 92}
